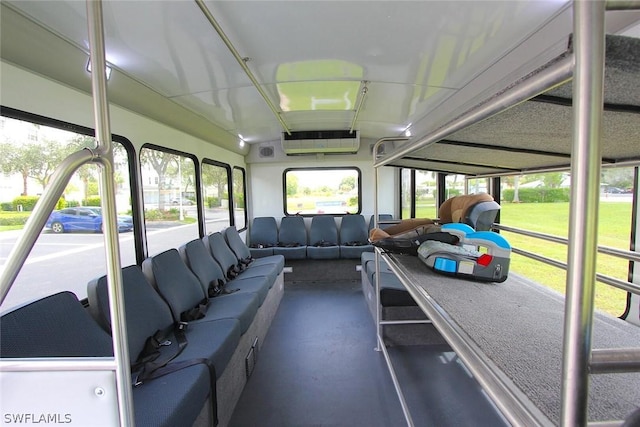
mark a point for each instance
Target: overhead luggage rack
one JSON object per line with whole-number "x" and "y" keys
{"x": 532, "y": 350}
{"x": 509, "y": 335}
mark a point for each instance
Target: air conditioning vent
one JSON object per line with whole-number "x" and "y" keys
{"x": 324, "y": 141}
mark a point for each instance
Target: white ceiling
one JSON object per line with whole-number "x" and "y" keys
{"x": 422, "y": 61}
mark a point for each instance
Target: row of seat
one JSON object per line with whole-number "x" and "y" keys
{"x": 195, "y": 316}
{"x": 323, "y": 240}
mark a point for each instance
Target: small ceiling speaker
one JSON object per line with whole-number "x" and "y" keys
{"x": 266, "y": 151}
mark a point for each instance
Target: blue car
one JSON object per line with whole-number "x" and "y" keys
{"x": 83, "y": 219}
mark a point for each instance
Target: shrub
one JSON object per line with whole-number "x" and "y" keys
{"x": 27, "y": 202}
{"x": 14, "y": 218}
{"x": 538, "y": 195}
{"x": 6, "y": 206}
{"x": 92, "y": 201}
{"x": 239, "y": 201}
{"x": 213, "y": 202}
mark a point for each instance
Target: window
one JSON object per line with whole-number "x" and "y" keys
{"x": 477, "y": 185}
{"x": 215, "y": 188}
{"x": 239, "y": 211}
{"x": 332, "y": 191}
{"x": 170, "y": 211}
{"x": 71, "y": 244}
{"x": 418, "y": 194}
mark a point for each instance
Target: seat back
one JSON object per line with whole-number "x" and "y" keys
{"x": 221, "y": 252}
{"x": 235, "y": 243}
{"x": 323, "y": 231}
{"x": 353, "y": 229}
{"x": 174, "y": 281}
{"x": 292, "y": 231}
{"x": 201, "y": 262}
{"x": 145, "y": 310}
{"x": 263, "y": 231}
{"x": 54, "y": 326}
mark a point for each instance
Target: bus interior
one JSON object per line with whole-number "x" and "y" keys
{"x": 190, "y": 191}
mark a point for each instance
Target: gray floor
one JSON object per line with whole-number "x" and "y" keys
{"x": 318, "y": 366}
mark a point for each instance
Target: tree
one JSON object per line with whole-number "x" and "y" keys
{"x": 347, "y": 184}
{"x": 215, "y": 176}
{"x": 159, "y": 161}
{"x": 552, "y": 179}
{"x": 292, "y": 185}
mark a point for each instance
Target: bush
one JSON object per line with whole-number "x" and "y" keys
{"x": 72, "y": 203}
{"x": 27, "y": 202}
{"x": 538, "y": 195}
{"x": 213, "y": 202}
{"x": 239, "y": 201}
{"x": 172, "y": 214}
{"x": 14, "y": 218}
{"x": 62, "y": 203}
{"x": 6, "y": 206}
{"x": 92, "y": 201}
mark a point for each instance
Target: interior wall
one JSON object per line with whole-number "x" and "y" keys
{"x": 266, "y": 184}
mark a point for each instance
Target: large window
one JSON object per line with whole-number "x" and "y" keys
{"x": 170, "y": 198}
{"x": 331, "y": 191}
{"x": 239, "y": 210}
{"x": 70, "y": 250}
{"x": 540, "y": 202}
{"x": 215, "y": 189}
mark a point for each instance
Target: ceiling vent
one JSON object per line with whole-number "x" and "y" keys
{"x": 323, "y": 141}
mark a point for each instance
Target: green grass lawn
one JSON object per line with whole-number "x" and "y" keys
{"x": 553, "y": 218}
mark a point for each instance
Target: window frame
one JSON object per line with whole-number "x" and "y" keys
{"x": 315, "y": 169}
{"x": 244, "y": 195}
{"x": 227, "y": 167}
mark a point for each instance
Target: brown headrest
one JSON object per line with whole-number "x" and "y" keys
{"x": 455, "y": 208}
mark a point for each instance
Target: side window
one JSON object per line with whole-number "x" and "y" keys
{"x": 331, "y": 191}
{"x": 71, "y": 243}
{"x": 239, "y": 210}
{"x": 454, "y": 185}
{"x": 169, "y": 194}
{"x": 478, "y": 185}
{"x": 418, "y": 193}
{"x": 406, "y": 196}
{"x": 215, "y": 189}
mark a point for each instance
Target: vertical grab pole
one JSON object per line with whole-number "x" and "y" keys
{"x": 375, "y": 225}
{"x": 110, "y": 227}
{"x": 588, "y": 82}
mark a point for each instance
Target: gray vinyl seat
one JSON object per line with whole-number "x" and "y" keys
{"x": 263, "y": 236}
{"x": 243, "y": 254}
{"x": 392, "y": 292}
{"x": 182, "y": 290}
{"x": 323, "y": 238}
{"x": 292, "y": 238}
{"x": 147, "y": 312}
{"x": 354, "y": 237}
{"x": 199, "y": 260}
{"x": 59, "y": 326}
{"x": 229, "y": 263}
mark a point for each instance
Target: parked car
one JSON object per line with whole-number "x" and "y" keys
{"x": 614, "y": 190}
{"x": 84, "y": 218}
{"x": 185, "y": 202}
